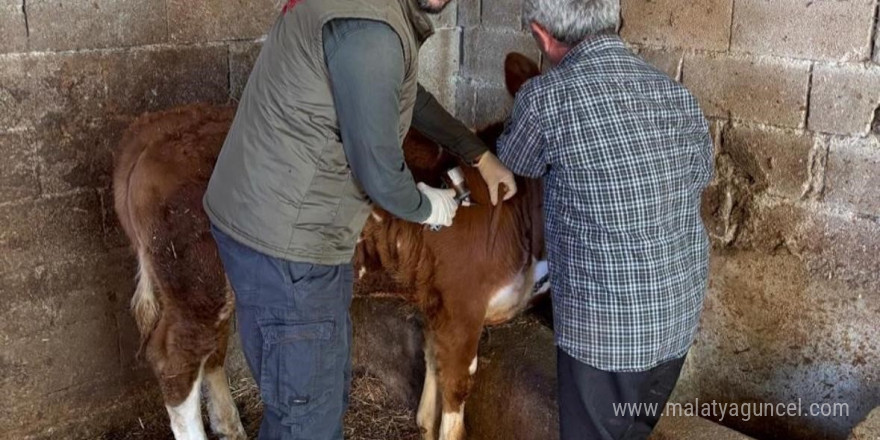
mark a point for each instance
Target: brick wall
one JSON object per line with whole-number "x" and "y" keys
{"x": 73, "y": 74}
{"x": 794, "y": 213}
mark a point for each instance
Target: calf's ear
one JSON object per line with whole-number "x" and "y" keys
{"x": 518, "y": 69}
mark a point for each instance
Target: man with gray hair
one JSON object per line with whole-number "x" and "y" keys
{"x": 625, "y": 152}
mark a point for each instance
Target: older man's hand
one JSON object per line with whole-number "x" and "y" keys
{"x": 495, "y": 173}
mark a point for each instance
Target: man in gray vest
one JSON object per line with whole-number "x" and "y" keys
{"x": 317, "y": 136}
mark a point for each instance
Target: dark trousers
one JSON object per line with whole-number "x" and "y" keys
{"x": 295, "y": 329}
{"x": 591, "y": 400}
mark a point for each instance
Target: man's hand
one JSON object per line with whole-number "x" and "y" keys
{"x": 495, "y": 173}
{"x": 443, "y": 205}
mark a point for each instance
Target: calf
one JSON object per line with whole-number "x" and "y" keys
{"x": 479, "y": 271}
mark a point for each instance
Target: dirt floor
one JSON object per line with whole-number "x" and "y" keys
{"x": 372, "y": 415}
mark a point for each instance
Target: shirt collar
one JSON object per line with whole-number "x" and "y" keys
{"x": 590, "y": 46}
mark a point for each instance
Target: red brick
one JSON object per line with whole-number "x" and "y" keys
{"x": 767, "y": 91}
{"x": 18, "y": 171}
{"x": 64, "y": 25}
{"x": 833, "y": 30}
{"x": 439, "y": 59}
{"x": 843, "y": 98}
{"x": 852, "y": 175}
{"x": 677, "y": 23}
{"x": 45, "y": 230}
{"x": 207, "y": 20}
{"x": 242, "y": 57}
{"x": 484, "y": 52}
{"x": 13, "y": 31}
{"x": 777, "y": 160}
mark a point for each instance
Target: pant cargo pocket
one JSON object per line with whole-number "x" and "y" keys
{"x": 293, "y": 358}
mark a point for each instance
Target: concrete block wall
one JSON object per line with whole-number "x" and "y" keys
{"x": 73, "y": 74}
{"x": 792, "y": 90}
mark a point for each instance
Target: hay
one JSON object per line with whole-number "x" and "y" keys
{"x": 372, "y": 415}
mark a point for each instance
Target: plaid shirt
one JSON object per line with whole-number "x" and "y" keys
{"x": 625, "y": 153}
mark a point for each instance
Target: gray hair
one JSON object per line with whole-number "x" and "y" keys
{"x": 571, "y": 21}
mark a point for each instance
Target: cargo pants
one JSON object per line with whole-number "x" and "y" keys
{"x": 294, "y": 324}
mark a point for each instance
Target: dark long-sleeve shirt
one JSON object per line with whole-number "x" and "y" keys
{"x": 365, "y": 62}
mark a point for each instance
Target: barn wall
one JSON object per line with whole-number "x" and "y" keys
{"x": 791, "y": 88}
{"x": 73, "y": 74}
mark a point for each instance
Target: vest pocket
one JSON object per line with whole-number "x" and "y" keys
{"x": 321, "y": 201}
{"x": 292, "y": 362}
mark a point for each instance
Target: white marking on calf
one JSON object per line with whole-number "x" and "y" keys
{"x": 473, "y": 368}
{"x": 186, "y": 418}
{"x": 362, "y": 272}
{"x": 427, "y": 415}
{"x": 376, "y": 217}
{"x": 452, "y": 425}
{"x": 506, "y": 298}
{"x": 222, "y": 412}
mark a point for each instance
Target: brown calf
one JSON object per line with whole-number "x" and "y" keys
{"x": 480, "y": 270}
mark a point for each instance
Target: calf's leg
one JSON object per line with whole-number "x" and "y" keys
{"x": 428, "y": 410}
{"x": 225, "y": 421}
{"x": 456, "y": 344}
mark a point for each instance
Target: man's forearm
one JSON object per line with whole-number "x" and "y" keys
{"x": 433, "y": 121}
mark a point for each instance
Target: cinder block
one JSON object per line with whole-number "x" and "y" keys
{"x": 777, "y": 160}
{"x": 869, "y": 428}
{"x": 58, "y": 359}
{"x": 833, "y": 30}
{"x": 770, "y": 325}
{"x": 242, "y": 57}
{"x": 64, "y": 25}
{"x": 447, "y": 18}
{"x": 877, "y": 43}
{"x": 64, "y": 292}
{"x": 484, "y": 52}
{"x": 502, "y": 14}
{"x": 480, "y": 105}
{"x": 830, "y": 239}
{"x": 438, "y": 65}
{"x": 13, "y": 31}
{"x": 693, "y": 428}
{"x": 843, "y": 98}
{"x": 852, "y": 176}
{"x": 114, "y": 236}
{"x": 18, "y": 171}
{"x": 677, "y": 23}
{"x": 206, "y": 20}
{"x": 469, "y": 13}
{"x": 50, "y": 86}
{"x": 153, "y": 79}
{"x": 768, "y": 91}
{"x": 668, "y": 61}
{"x": 76, "y": 152}
{"x": 38, "y": 232}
